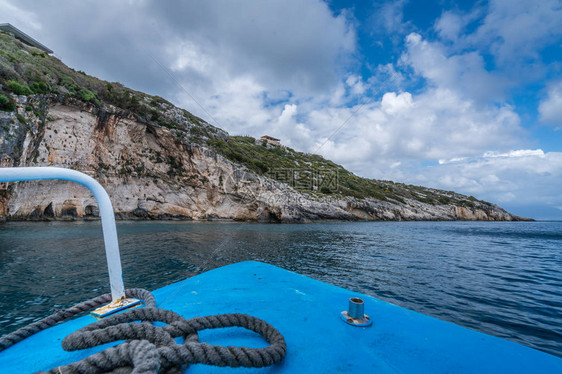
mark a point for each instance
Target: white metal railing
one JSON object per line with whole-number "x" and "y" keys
{"x": 106, "y": 213}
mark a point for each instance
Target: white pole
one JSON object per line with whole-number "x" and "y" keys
{"x": 105, "y": 207}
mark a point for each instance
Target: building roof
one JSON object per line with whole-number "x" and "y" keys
{"x": 269, "y": 137}
{"x": 6, "y": 27}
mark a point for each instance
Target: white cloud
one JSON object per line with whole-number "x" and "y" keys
{"x": 450, "y": 25}
{"x": 283, "y": 45}
{"x": 454, "y": 159}
{"x": 515, "y": 154}
{"x": 393, "y": 104}
{"x": 238, "y": 105}
{"x": 463, "y": 73}
{"x": 291, "y": 45}
{"x": 386, "y": 78}
{"x": 403, "y": 128}
{"x": 519, "y": 28}
{"x": 186, "y": 55}
{"x": 355, "y": 84}
{"x": 449, "y": 123}
{"x": 20, "y": 18}
{"x": 513, "y": 32}
{"x": 338, "y": 96}
{"x": 389, "y": 17}
{"x": 524, "y": 177}
{"x": 550, "y": 109}
{"x": 289, "y": 129}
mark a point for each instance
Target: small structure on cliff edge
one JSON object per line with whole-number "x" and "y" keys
{"x": 20, "y": 35}
{"x": 270, "y": 139}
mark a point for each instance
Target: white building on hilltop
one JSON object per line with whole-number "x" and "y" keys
{"x": 270, "y": 140}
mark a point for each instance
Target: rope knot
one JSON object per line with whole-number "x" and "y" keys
{"x": 147, "y": 348}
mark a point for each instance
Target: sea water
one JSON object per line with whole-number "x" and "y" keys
{"x": 500, "y": 278}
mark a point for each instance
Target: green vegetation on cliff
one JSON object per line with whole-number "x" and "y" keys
{"x": 272, "y": 161}
{"x": 25, "y": 70}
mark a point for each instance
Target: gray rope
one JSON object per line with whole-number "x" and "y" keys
{"x": 152, "y": 349}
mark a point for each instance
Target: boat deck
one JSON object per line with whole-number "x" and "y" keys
{"x": 306, "y": 312}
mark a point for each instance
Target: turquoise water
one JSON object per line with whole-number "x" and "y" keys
{"x": 499, "y": 278}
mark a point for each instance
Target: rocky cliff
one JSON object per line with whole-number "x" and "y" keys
{"x": 157, "y": 161}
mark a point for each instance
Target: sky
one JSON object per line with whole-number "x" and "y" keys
{"x": 457, "y": 95}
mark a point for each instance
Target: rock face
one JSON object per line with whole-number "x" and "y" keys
{"x": 154, "y": 172}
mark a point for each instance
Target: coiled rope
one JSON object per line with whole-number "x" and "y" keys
{"x": 152, "y": 349}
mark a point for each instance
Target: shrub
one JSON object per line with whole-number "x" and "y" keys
{"x": 40, "y": 87}
{"x": 86, "y": 95}
{"x": 6, "y": 104}
{"x": 261, "y": 166}
{"x": 19, "y": 89}
{"x": 67, "y": 81}
{"x": 466, "y": 203}
{"x": 20, "y": 118}
{"x": 325, "y": 190}
{"x": 444, "y": 200}
{"x": 170, "y": 125}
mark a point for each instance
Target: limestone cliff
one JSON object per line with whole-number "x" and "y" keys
{"x": 152, "y": 172}
{"x": 157, "y": 161}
